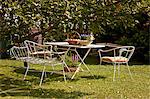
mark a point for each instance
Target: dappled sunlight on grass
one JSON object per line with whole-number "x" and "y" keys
{"x": 99, "y": 84}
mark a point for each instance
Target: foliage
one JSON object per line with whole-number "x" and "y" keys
{"x": 83, "y": 85}
{"x": 113, "y": 21}
{"x": 64, "y": 16}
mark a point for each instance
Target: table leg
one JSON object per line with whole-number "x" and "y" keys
{"x": 82, "y": 62}
{"x": 82, "y": 59}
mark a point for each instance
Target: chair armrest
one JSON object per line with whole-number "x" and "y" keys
{"x": 59, "y": 53}
{"x": 112, "y": 49}
{"x": 44, "y": 45}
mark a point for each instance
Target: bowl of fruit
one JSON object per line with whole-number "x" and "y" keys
{"x": 73, "y": 41}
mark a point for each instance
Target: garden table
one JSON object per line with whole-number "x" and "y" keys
{"x": 74, "y": 48}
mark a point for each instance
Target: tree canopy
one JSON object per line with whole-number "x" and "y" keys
{"x": 125, "y": 22}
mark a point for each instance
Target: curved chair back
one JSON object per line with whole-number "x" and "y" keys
{"x": 35, "y": 48}
{"x": 126, "y": 51}
{"x": 19, "y": 53}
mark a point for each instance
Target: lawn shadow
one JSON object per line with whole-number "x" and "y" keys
{"x": 1, "y": 74}
{"x": 94, "y": 77}
{"x": 9, "y": 84}
{"x": 74, "y": 80}
{"x": 48, "y": 93}
{"x": 14, "y": 87}
{"x": 50, "y": 75}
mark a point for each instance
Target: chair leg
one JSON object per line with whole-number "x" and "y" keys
{"x": 43, "y": 72}
{"x": 114, "y": 76}
{"x": 100, "y": 61}
{"x": 27, "y": 68}
{"x": 119, "y": 70}
{"x": 53, "y": 67}
{"x": 64, "y": 73}
{"x": 53, "y": 70}
{"x": 100, "y": 58}
{"x": 129, "y": 71}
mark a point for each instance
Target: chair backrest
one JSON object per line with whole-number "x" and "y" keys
{"x": 126, "y": 51}
{"x": 19, "y": 53}
{"x": 35, "y": 47}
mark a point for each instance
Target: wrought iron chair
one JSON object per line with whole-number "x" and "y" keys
{"x": 35, "y": 53}
{"x": 121, "y": 55}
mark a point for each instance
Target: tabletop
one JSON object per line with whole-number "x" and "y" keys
{"x": 66, "y": 44}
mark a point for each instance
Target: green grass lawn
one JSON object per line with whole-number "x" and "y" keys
{"x": 83, "y": 86}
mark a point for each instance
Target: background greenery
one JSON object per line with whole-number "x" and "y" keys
{"x": 115, "y": 21}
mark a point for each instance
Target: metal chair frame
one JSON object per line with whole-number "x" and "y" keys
{"x": 121, "y": 55}
{"x": 35, "y": 53}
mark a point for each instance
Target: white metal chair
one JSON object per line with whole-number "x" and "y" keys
{"x": 121, "y": 55}
{"x": 35, "y": 53}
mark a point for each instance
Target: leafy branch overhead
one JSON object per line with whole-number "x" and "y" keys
{"x": 56, "y": 17}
